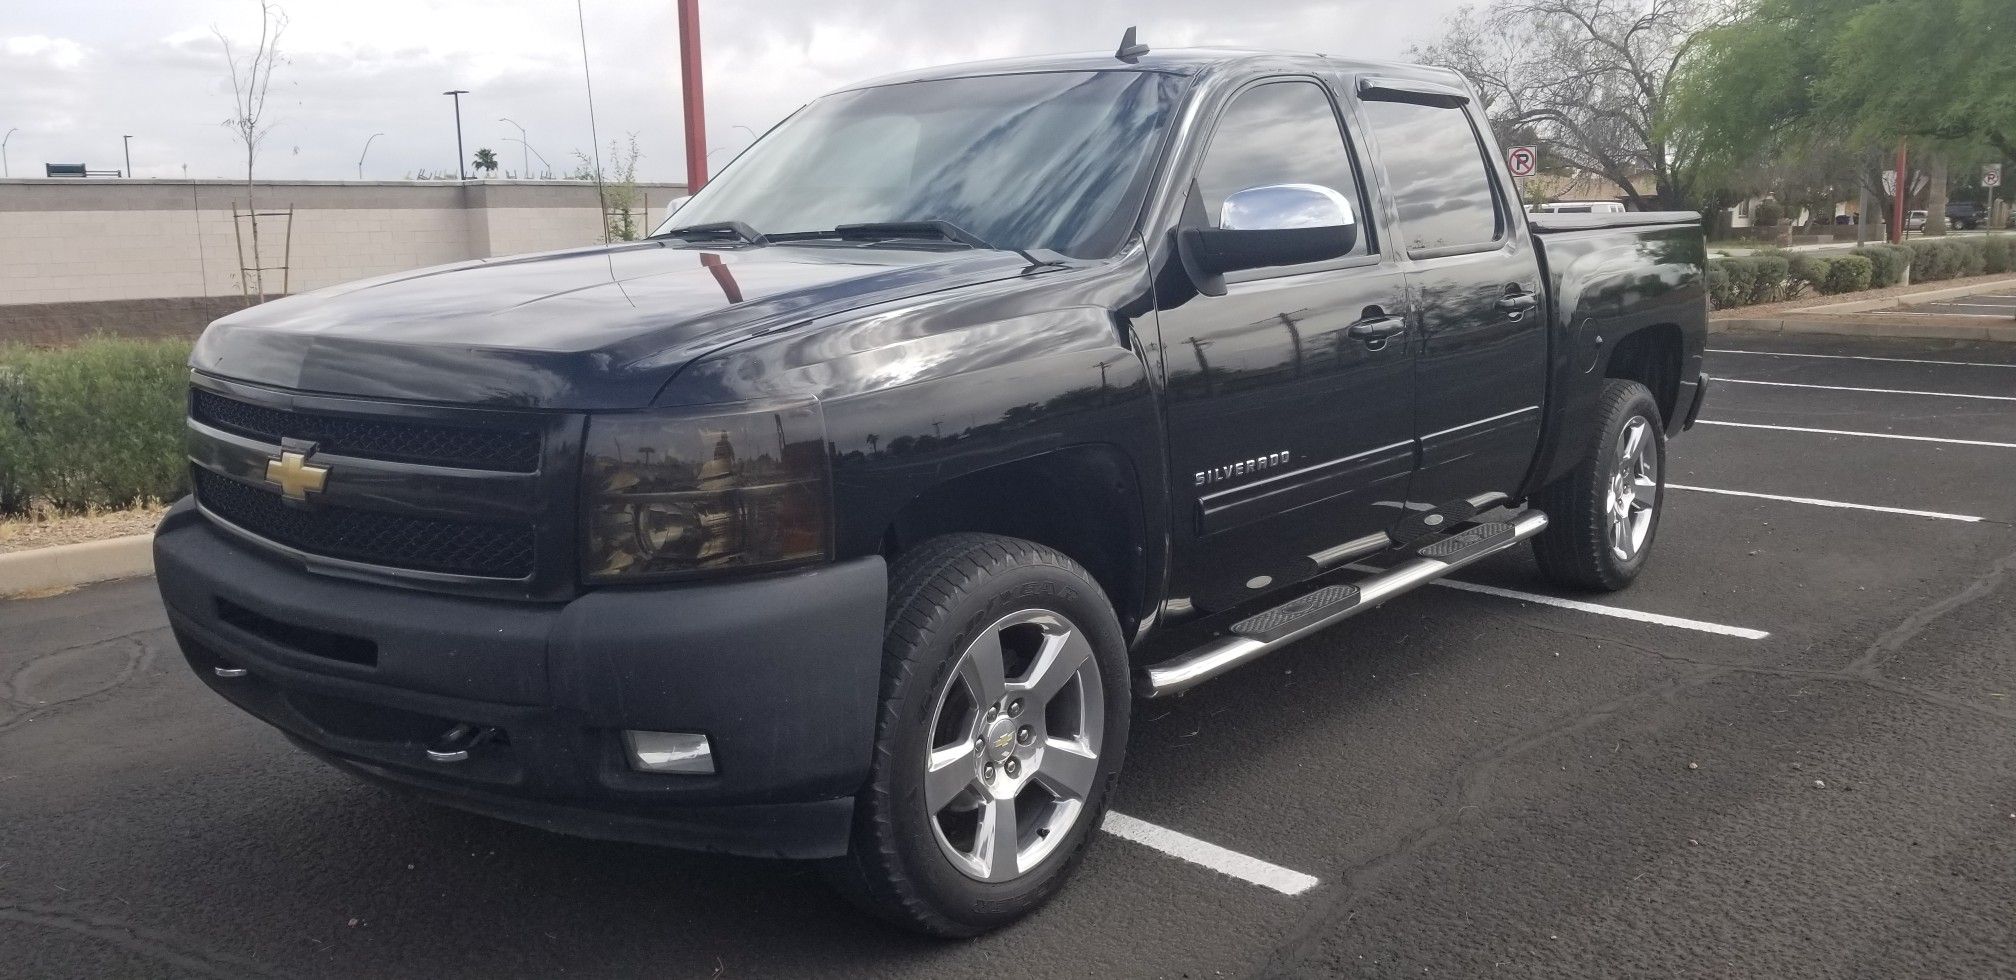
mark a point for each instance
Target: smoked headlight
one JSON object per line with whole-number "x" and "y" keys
{"x": 668, "y": 495}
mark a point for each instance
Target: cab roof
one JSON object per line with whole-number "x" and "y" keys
{"x": 1174, "y": 61}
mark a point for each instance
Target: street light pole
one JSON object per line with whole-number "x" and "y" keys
{"x": 461, "y": 165}
{"x": 3, "y": 150}
{"x": 690, "y": 93}
{"x": 535, "y": 152}
{"x": 129, "y": 155}
{"x": 367, "y": 149}
{"x": 524, "y": 147}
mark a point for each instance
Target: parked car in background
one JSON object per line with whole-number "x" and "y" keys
{"x": 1915, "y": 220}
{"x": 1578, "y": 207}
{"x": 1967, "y": 215}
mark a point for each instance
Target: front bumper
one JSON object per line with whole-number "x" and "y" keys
{"x": 781, "y": 673}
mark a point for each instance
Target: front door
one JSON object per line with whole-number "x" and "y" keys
{"x": 1290, "y": 400}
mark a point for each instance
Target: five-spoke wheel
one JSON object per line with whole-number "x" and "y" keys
{"x": 1015, "y": 744}
{"x": 1634, "y": 489}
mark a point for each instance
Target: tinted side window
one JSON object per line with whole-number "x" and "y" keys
{"x": 1278, "y": 133}
{"x": 1435, "y": 175}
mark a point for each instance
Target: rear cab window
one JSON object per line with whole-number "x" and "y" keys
{"x": 1435, "y": 173}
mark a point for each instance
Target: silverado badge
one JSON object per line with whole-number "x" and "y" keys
{"x": 295, "y": 477}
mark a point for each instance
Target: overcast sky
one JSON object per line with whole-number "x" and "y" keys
{"x": 75, "y": 75}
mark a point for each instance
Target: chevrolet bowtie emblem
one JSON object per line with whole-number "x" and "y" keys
{"x": 294, "y": 476}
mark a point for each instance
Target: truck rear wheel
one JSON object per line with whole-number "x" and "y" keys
{"x": 1002, "y": 727}
{"x": 1603, "y": 515}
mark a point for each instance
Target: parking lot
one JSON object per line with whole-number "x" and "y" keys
{"x": 1786, "y": 752}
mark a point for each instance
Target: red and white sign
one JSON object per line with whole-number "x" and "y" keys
{"x": 1523, "y": 160}
{"x": 1991, "y": 175}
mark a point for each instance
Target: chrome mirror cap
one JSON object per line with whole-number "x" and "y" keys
{"x": 1276, "y": 207}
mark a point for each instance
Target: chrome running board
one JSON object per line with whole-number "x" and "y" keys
{"x": 1299, "y": 618}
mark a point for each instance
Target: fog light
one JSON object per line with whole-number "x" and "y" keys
{"x": 669, "y": 752}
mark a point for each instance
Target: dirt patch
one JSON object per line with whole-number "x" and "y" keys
{"x": 26, "y": 535}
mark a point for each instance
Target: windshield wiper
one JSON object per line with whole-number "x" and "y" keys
{"x": 888, "y": 230}
{"x": 718, "y": 230}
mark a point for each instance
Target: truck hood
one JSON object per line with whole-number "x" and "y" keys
{"x": 596, "y": 328}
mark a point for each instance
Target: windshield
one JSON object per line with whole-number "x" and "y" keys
{"x": 1056, "y": 160}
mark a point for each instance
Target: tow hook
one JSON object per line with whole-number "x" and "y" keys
{"x": 456, "y": 744}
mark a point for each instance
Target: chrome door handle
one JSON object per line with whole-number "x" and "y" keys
{"x": 1518, "y": 303}
{"x": 1377, "y": 328}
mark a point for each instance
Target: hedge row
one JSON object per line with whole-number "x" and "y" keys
{"x": 1773, "y": 275}
{"x": 96, "y": 426}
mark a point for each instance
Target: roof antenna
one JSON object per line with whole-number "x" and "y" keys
{"x": 1130, "y": 49}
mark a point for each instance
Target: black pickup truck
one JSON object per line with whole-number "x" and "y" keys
{"x": 845, "y": 517}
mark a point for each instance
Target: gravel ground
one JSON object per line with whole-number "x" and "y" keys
{"x": 26, "y": 535}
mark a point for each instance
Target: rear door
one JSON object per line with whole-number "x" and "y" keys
{"x": 1290, "y": 408}
{"x": 1480, "y": 351}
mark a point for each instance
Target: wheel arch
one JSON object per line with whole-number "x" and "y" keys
{"x": 1084, "y": 501}
{"x": 1651, "y": 356}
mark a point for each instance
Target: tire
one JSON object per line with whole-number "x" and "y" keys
{"x": 939, "y": 870}
{"x": 1583, "y": 546}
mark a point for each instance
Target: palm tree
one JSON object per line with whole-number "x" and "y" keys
{"x": 486, "y": 160}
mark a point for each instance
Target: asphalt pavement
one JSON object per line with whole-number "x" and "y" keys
{"x": 1785, "y": 752}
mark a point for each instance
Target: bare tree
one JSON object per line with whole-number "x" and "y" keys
{"x": 1592, "y": 78}
{"x": 251, "y": 78}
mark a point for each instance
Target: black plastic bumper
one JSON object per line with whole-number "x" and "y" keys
{"x": 781, "y": 673}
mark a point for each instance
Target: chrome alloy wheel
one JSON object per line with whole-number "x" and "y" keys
{"x": 1634, "y": 489}
{"x": 1014, "y": 747}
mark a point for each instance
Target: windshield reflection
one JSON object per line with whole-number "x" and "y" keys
{"x": 1053, "y": 160}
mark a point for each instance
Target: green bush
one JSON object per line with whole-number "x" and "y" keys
{"x": 1888, "y": 263}
{"x": 1968, "y": 255}
{"x": 1772, "y": 282}
{"x": 1998, "y": 254}
{"x": 92, "y": 427}
{"x": 1847, "y": 274}
{"x": 1809, "y": 272}
{"x": 1742, "y": 274}
{"x": 1927, "y": 260}
{"x": 1720, "y": 295}
{"x": 1768, "y": 213}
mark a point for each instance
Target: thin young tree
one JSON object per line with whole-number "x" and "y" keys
{"x": 251, "y": 78}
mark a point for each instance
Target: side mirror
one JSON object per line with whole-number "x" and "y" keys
{"x": 1275, "y": 225}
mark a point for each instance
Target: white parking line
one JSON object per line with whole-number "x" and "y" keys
{"x": 1831, "y": 503}
{"x": 1860, "y": 357}
{"x": 1699, "y": 626}
{"x": 1878, "y": 391}
{"x": 1866, "y": 435}
{"x": 1206, "y": 854}
{"x": 1964, "y": 316}
{"x": 1659, "y": 619}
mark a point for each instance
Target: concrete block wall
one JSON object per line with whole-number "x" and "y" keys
{"x": 105, "y": 240}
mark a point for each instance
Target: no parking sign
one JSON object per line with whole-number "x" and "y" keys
{"x": 1523, "y": 160}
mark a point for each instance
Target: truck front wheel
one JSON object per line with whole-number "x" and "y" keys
{"x": 1002, "y": 725}
{"x": 1603, "y": 515}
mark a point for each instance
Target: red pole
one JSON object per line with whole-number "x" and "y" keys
{"x": 1897, "y": 198}
{"x": 689, "y": 84}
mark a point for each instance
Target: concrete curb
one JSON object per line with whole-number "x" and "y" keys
{"x": 1901, "y": 328}
{"x": 66, "y": 565}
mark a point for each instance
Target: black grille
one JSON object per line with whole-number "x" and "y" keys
{"x": 512, "y": 450}
{"x": 421, "y": 543}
